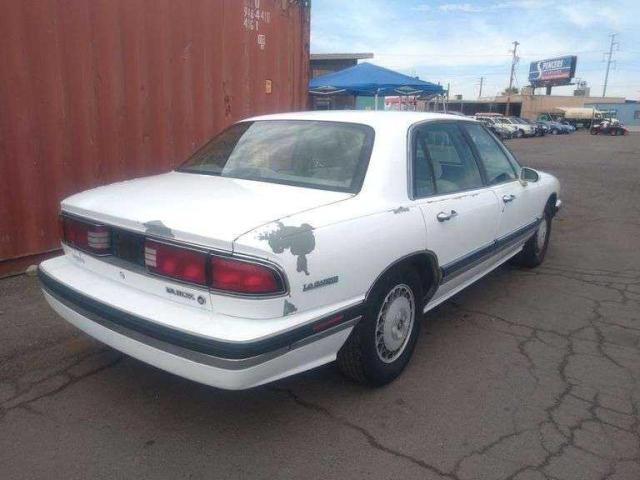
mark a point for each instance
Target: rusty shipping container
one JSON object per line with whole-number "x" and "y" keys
{"x": 96, "y": 91}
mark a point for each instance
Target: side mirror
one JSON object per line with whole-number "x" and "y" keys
{"x": 528, "y": 175}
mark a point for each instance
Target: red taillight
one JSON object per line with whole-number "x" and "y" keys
{"x": 242, "y": 277}
{"x": 176, "y": 262}
{"x": 86, "y": 236}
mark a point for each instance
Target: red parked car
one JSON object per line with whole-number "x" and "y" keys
{"x": 608, "y": 128}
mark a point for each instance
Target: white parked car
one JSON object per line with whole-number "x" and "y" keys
{"x": 502, "y": 122}
{"x": 289, "y": 241}
{"x": 521, "y": 129}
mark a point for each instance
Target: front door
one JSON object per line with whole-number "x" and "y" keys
{"x": 517, "y": 218}
{"x": 460, "y": 213}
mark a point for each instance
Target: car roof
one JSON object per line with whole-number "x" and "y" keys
{"x": 375, "y": 119}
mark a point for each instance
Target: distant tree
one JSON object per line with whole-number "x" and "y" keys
{"x": 512, "y": 91}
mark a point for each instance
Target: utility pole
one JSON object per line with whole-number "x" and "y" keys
{"x": 480, "y": 92}
{"x": 514, "y": 60}
{"x": 609, "y": 57}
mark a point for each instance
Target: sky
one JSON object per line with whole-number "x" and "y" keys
{"x": 458, "y": 42}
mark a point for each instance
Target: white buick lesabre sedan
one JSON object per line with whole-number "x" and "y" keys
{"x": 289, "y": 241}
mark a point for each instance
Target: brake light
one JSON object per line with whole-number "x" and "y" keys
{"x": 243, "y": 277}
{"x": 175, "y": 262}
{"x": 86, "y": 236}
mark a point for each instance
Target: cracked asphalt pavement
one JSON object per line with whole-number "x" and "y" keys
{"x": 527, "y": 375}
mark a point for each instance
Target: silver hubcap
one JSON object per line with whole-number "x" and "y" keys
{"x": 542, "y": 234}
{"x": 395, "y": 323}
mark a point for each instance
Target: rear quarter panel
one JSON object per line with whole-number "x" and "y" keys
{"x": 333, "y": 255}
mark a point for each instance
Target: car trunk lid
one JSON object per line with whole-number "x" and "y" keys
{"x": 205, "y": 210}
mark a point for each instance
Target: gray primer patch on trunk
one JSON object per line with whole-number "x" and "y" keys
{"x": 299, "y": 240}
{"x": 156, "y": 227}
{"x": 289, "y": 308}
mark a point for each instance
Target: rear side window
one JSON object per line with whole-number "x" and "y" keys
{"x": 448, "y": 166}
{"x": 305, "y": 153}
{"x": 497, "y": 166}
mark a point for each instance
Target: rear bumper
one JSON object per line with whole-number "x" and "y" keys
{"x": 228, "y": 365}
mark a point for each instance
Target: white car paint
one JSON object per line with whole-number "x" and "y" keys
{"x": 201, "y": 209}
{"x": 357, "y": 237}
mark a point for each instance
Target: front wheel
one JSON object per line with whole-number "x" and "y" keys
{"x": 535, "y": 248}
{"x": 554, "y": 131}
{"x": 381, "y": 344}
{"x": 593, "y": 131}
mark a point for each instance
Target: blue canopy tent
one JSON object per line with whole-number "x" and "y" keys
{"x": 367, "y": 79}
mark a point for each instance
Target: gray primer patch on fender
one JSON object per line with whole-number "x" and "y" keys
{"x": 289, "y": 308}
{"x": 299, "y": 240}
{"x": 400, "y": 209}
{"x": 156, "y": 227}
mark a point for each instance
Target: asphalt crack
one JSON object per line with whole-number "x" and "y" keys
{"x": 57, "y": 381}
{"x": 371, "y": 439}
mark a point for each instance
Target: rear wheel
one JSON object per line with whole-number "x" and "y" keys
{"x": 593, "y": 131}
{"x": 554, "y": 131}
{"x": 519, "y": 134}
{"x": 381, "y": 344}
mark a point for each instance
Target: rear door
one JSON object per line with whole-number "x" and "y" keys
{"x": 460, "y": 213}
{"x": 518, "y": 215}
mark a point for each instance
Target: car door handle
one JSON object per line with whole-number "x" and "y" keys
{"x": 508, "y": 198}
{"x": 443, "y": 216}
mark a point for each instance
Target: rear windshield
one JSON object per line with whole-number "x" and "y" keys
{"x": 305, "y": 153}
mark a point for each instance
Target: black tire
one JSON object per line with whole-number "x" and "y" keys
{"x": 613, "y": 132}
{"x": 533, "y": 252}
{"x": 593, "y": 131}
{"x": 358, "y": 358}
{"x": 554, "y": 131}
{"x": 519, "y": 134}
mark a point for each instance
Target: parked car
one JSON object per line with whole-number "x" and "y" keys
{"x": 501, "y": 131}
{"x": 524, "y": 128}
{"x": 555, "y": 128}
{"x": 539, "y": 130}
{"x": 543, "y": 128}
{"x": 609, "y": 128}
{"x": 289, "y": 241}
{"x": 497, "y": 119}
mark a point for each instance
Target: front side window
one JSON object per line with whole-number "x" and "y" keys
{"x": 448, "y": 166}
{"x": 305, "y": 153}
{"x": 497, "y": 166}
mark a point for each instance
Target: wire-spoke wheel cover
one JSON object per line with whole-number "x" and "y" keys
{"x": 395, "y": 323}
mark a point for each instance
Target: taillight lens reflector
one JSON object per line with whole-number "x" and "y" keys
{"x": 175, "y": 262}
{"x": 86, "y": 236}
{"x": 242, "y": 277}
